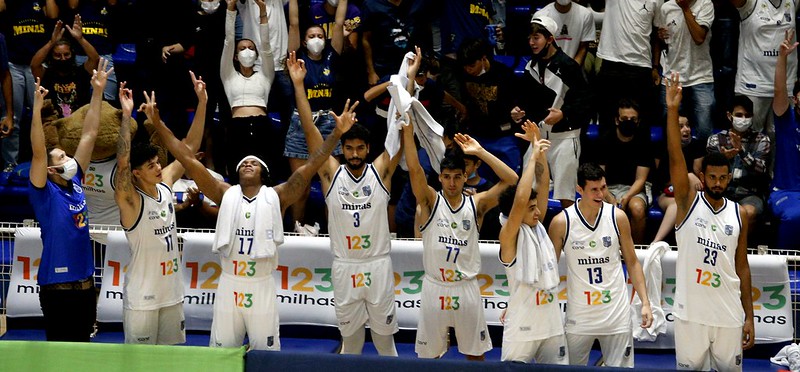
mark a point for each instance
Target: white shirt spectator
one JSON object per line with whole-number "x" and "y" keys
{"x": 574, "y": 26}
{"x": 682, "y": 54}
{"x": 626, "y": 31}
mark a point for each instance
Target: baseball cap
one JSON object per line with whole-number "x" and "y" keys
{"x": 548, "y": 23}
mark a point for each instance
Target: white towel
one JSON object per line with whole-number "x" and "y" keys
{"x": 784, "y": 356}
{"x": 652, "y": 275}
{"x": 268, "y": 234}
{"x": 402, "y": 107}
{"x": 536, "y": 262}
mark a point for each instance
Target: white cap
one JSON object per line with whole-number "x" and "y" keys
{"x": 548, "y": 23}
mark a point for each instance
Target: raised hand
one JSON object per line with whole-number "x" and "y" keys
{"x": 531, "y": 130}
{"x": 673, "y": 96}
{"x": 100, "y": 76}
{"x": 58, "y": 32}
{"x": 788, "y": 46}
{"x": 346, "y": 120}
{"x": 413, "y": 66}
{"x": 296, "y": 67}
{"x": 468, "y": 144}
{"x": 150, "y": 108}
{"x": 125, "y": 99}
{"x": 39, "y": 93}
{"x": 77, "y": 28}
{"x": 199, "y": 87}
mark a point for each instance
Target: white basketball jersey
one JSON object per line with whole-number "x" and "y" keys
{"x": 357, "y": 218}
{"x": 239, "y": 263}
{"x": 152, "y": 280}
{"x": 597, "y": 297}
{"x": 707, "y": 286}
{"x": 761, "y": 32}
{"x": 450, "y": 241}
{"x": 532, "y": 314}
{"x": 98, "y": 185}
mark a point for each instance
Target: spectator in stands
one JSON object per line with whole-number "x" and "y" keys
{"x": 763, "y": 25}
{"x": 627, "y": 70}
{"x": 591, "y": 63}
{"x": 161, "y": 64}
{"x": 557, "y": 97}
{"x": 693, "y": 152}
{"x": 390, "y": 29}
{"x": 465, "y": 20}
{"x": 488, "y": 90}
{"x": 62, "y": 76}
{"x": 247, "y": 91}
{"x": 66, "y": 288}
{"x": 684, "y": 28}
{"x": 785, "y": 197}
{"x": 576, "y": 27}
{"x": 749, "y": 152}
{"x": 6, "y": 84}
{"x": 321, "y": 61}
{"x": 626, "y": 157}
{"x": 98, "y": 29}
{"x": 30, "y": 19}
{"x": 323, "y": 14}
{"x": 208, "y": 39}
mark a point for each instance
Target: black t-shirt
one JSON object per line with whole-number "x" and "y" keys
{"x": 395, "y": 31}
{"x": 489, "y": 99}
{"x": 26, "y": 29}
{"x": 622, "y": 158}
{"x": 68, "y": 92}
{"x": 96, "y": 18}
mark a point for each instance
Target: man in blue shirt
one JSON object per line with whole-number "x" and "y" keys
{"x": 66, "y": 288}
{"x": 785, "y": 197}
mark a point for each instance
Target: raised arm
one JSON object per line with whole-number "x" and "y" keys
{"x": 194, "y": 137}
{"x": 267, "y": 60}
{"x": 124, "y": 193}
{"x": 226, "y": 69}
{"x": 91, "y": 124}
{"x": 210, "y": 186}
{"x": 633, "y": 265}
{"x": 510, "y": 231}
{"x": 424, "y": 194}
{"x": 294, "y": 26}
{"x": 297, "y": 71}
{"x": 337, "y": 34}
{"x": 413, "y": 68}
{"x": 488, "y": 199}
{"x": 92, "y": 57}
{"x": 743, "y": 272}
{"x": 697, "y": 31}
{"x": 38, "y": 172}
{"x": 678, "y": 173}
{"x": 37, "y": 69}
{"x": 293, "y": 188}
{"x": 780, "y": 99}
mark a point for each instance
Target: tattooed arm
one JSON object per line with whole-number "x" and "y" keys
{"x": 125, "y": 194}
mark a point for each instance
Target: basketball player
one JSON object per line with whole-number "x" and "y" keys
{"x": 533, "y": 329}
{"x": 249, "y": 230}
{"x": 713, "y": 304}
{"x": 153, "y": 292}
{"x": 451, "y": 257}
{"x": 592, "y": 233}
{"x": 357, "y": 196}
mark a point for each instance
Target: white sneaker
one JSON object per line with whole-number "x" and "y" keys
{"x": 793, "y": 355}
{"x": 306, "y": 230}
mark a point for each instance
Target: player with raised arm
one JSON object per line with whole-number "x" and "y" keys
{"x": 451, "y": 257}
{"x": 713, "y": 304}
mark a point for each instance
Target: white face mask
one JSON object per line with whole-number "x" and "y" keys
{"x": 483, "y": 71}
{"x": 315, "y": 45}
{"x": 333, "y": 3}
{"x": 564, "y": 2}
{"x": 741, "y": 124}
{"x": 209, "y": 6}
{"x": 68, "y": 169}
{"x": 247, "y": 57}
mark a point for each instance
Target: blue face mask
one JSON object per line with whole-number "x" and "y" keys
{"x": 472, "y": 175}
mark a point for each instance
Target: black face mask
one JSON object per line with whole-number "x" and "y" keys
{"x": 61, "y": 65}
{"x": 627, "y": 127}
